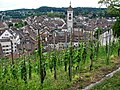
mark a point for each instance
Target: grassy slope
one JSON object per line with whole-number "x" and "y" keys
{"x": 109, "y": 84}
{"x": 84, "y": 76}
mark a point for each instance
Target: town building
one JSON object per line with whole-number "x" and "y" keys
{"x": 106, "y": 37}
{"x": 9, "y": 40}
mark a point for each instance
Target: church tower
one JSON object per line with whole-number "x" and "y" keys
{"x": 70, "y": 18}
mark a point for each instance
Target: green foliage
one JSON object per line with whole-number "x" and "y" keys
{"x": 116, "y": 28}
{"x": 55, "y": 14}
{"x": 56, "y": 60}
{"x": 20, "y": 24}
{"x": 10, "y": 25}
{"x": 14, "y": 71}
{"x": 25, "y": 23}
{"x": 66, "y": 58}
{"x": 91, "y": 55}
{"x": 24, "y": 13}
{"x": 4, "y": 71}
{"x": 84, "y": 54}
{"x": 97, "y": 33}
{"x": 23, "y": 71}
{"x": 30, "y": 70}
{"x": 112, "y": 5}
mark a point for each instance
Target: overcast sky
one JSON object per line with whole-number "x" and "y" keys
{"x": 17, "y": 4}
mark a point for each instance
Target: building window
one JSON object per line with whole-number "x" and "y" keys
{"x": 7, "y": 52}
{"x": 7, "y": 45}
{"x": 3, "y": 46}
{"x": 7, "y": 49}
{"x": 69, "y": 14}
{"x": 6, "y": 34}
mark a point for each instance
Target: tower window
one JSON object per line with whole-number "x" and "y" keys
{"x": 69, "y": 18}
{"x": 69, "y": 14}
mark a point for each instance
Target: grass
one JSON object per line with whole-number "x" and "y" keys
{"x": 99, "y": 71}
{"x": 109, "y": 84}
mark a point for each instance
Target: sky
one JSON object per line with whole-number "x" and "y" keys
{"x": 18, "y": 4}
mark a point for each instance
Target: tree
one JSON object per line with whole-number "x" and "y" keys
{"x": 113, "y": 6}
{"x": 25, "y": 23}
{"x": 10, "y": 25}
{"x": 116, "y": 28}
{"x": 98, "y": 32}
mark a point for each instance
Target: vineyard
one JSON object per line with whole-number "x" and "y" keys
{"x": 56, "y": 70}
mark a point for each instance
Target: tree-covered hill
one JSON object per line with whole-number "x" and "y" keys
{"x": 23, "y": 13}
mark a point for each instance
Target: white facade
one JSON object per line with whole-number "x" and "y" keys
{"x": 106, "y": 37}
{"x": 60, "y": 45}
{"x": 6, "y": 47}
{"x": 6, "y": 35}
{"x": 9, "y": 40}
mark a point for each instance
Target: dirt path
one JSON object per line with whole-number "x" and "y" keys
{"x": 107, "y": 76}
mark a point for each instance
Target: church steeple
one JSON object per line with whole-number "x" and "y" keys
{"x": 70, "y": 3}
{"x": 70, "y": 8}
{"x": 70, "y": 18}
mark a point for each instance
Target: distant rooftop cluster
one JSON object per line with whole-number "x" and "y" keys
{"x": 54, "y": 32}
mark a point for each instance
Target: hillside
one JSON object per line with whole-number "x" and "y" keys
{"x": 23, "y": 13}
